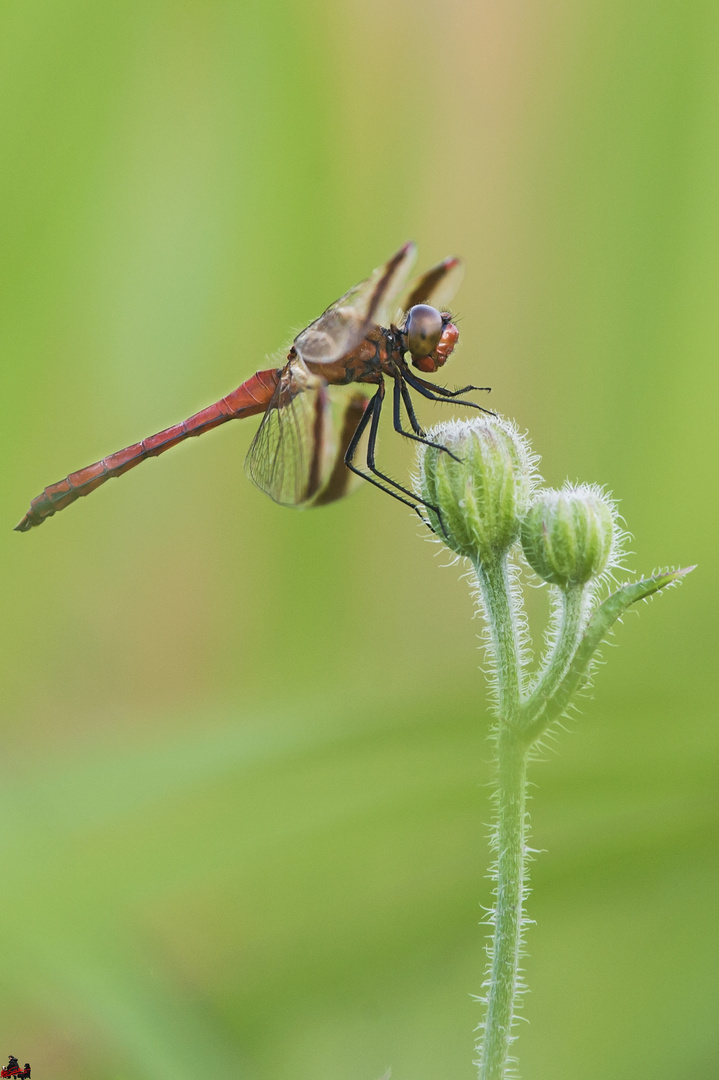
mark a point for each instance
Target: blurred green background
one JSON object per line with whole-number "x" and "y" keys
{"x": 244, "y": 749}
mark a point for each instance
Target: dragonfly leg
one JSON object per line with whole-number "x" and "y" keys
{"x": 371, "y": 413}
{"x": 401, "y": 394}
{"x": 372, "y": 443}
{"x": 371, "y": 416}
{"x": 440, "y": 393}
{"x": 445, "y": 391}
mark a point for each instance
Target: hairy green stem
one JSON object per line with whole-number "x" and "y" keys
{"x": 510, "y": 838}
{"x": 501, "y": 617}
{"x": 598, "y": 626}
{"x": 510, "y": 827}
{"x": 519, "y": 724}
{"x": 514, "y": 716}
{"x": 484, "y": 495}
{"x": 572, "y": 618}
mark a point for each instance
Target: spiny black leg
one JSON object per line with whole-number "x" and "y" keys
{"x": 374, "y": 428}
{"x": 371, "y": 413}
{"x": 443, "y": 391}
{"x": 400, "y": 388}
{"x": 402, "y": 392}
{"x": 421, "y": 388}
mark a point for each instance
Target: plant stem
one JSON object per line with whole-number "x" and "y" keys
{"x": 501, "y": 617}
{"x": 519, "y": 724}
{"x": 596, "y": 630}
{"x": 510, "y": 829}
{"x": 574, "y": 602}
{"x": 510, "y": 837}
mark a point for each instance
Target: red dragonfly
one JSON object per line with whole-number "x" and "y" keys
{"x": 315, "y": 414}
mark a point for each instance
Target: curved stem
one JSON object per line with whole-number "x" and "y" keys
{"x": 574, "y": 603}
{"x": 596, "y": 630}
{"x": 519, "y": 724}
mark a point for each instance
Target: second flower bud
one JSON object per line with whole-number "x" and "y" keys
{"x": 569, "y": 536}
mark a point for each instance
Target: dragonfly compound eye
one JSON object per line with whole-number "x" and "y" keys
{"x": 424, "y": 330}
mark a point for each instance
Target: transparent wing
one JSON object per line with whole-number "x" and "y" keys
{"x": 343, "y": 325}
{"x": 297, "y": 455}
{"x": 436, "y": 286}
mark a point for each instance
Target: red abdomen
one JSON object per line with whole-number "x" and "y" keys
{"x": 252, "y": 397}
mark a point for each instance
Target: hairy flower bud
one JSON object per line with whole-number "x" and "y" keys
{"x": 568, "y": 536}
{"x": 482, "y": 496}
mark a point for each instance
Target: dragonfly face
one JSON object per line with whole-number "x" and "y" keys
{"x": 423, "y": 330}
{"x": 304, "y": 451}
{"x": 431, "y": 336}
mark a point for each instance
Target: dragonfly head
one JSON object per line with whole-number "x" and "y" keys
{"x": 431, "y": 336}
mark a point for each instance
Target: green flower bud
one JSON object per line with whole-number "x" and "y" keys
{"x": 483, "y": 496}
{"x": 569, "y": 536}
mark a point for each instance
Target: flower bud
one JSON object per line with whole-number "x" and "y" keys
{"x": 568, "y": 536}
{"x": 482, "y": 496}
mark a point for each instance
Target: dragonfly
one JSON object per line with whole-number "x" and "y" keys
{"x": 317, "y": 406}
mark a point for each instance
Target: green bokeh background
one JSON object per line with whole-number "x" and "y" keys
{"x": 244, "y": 749}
